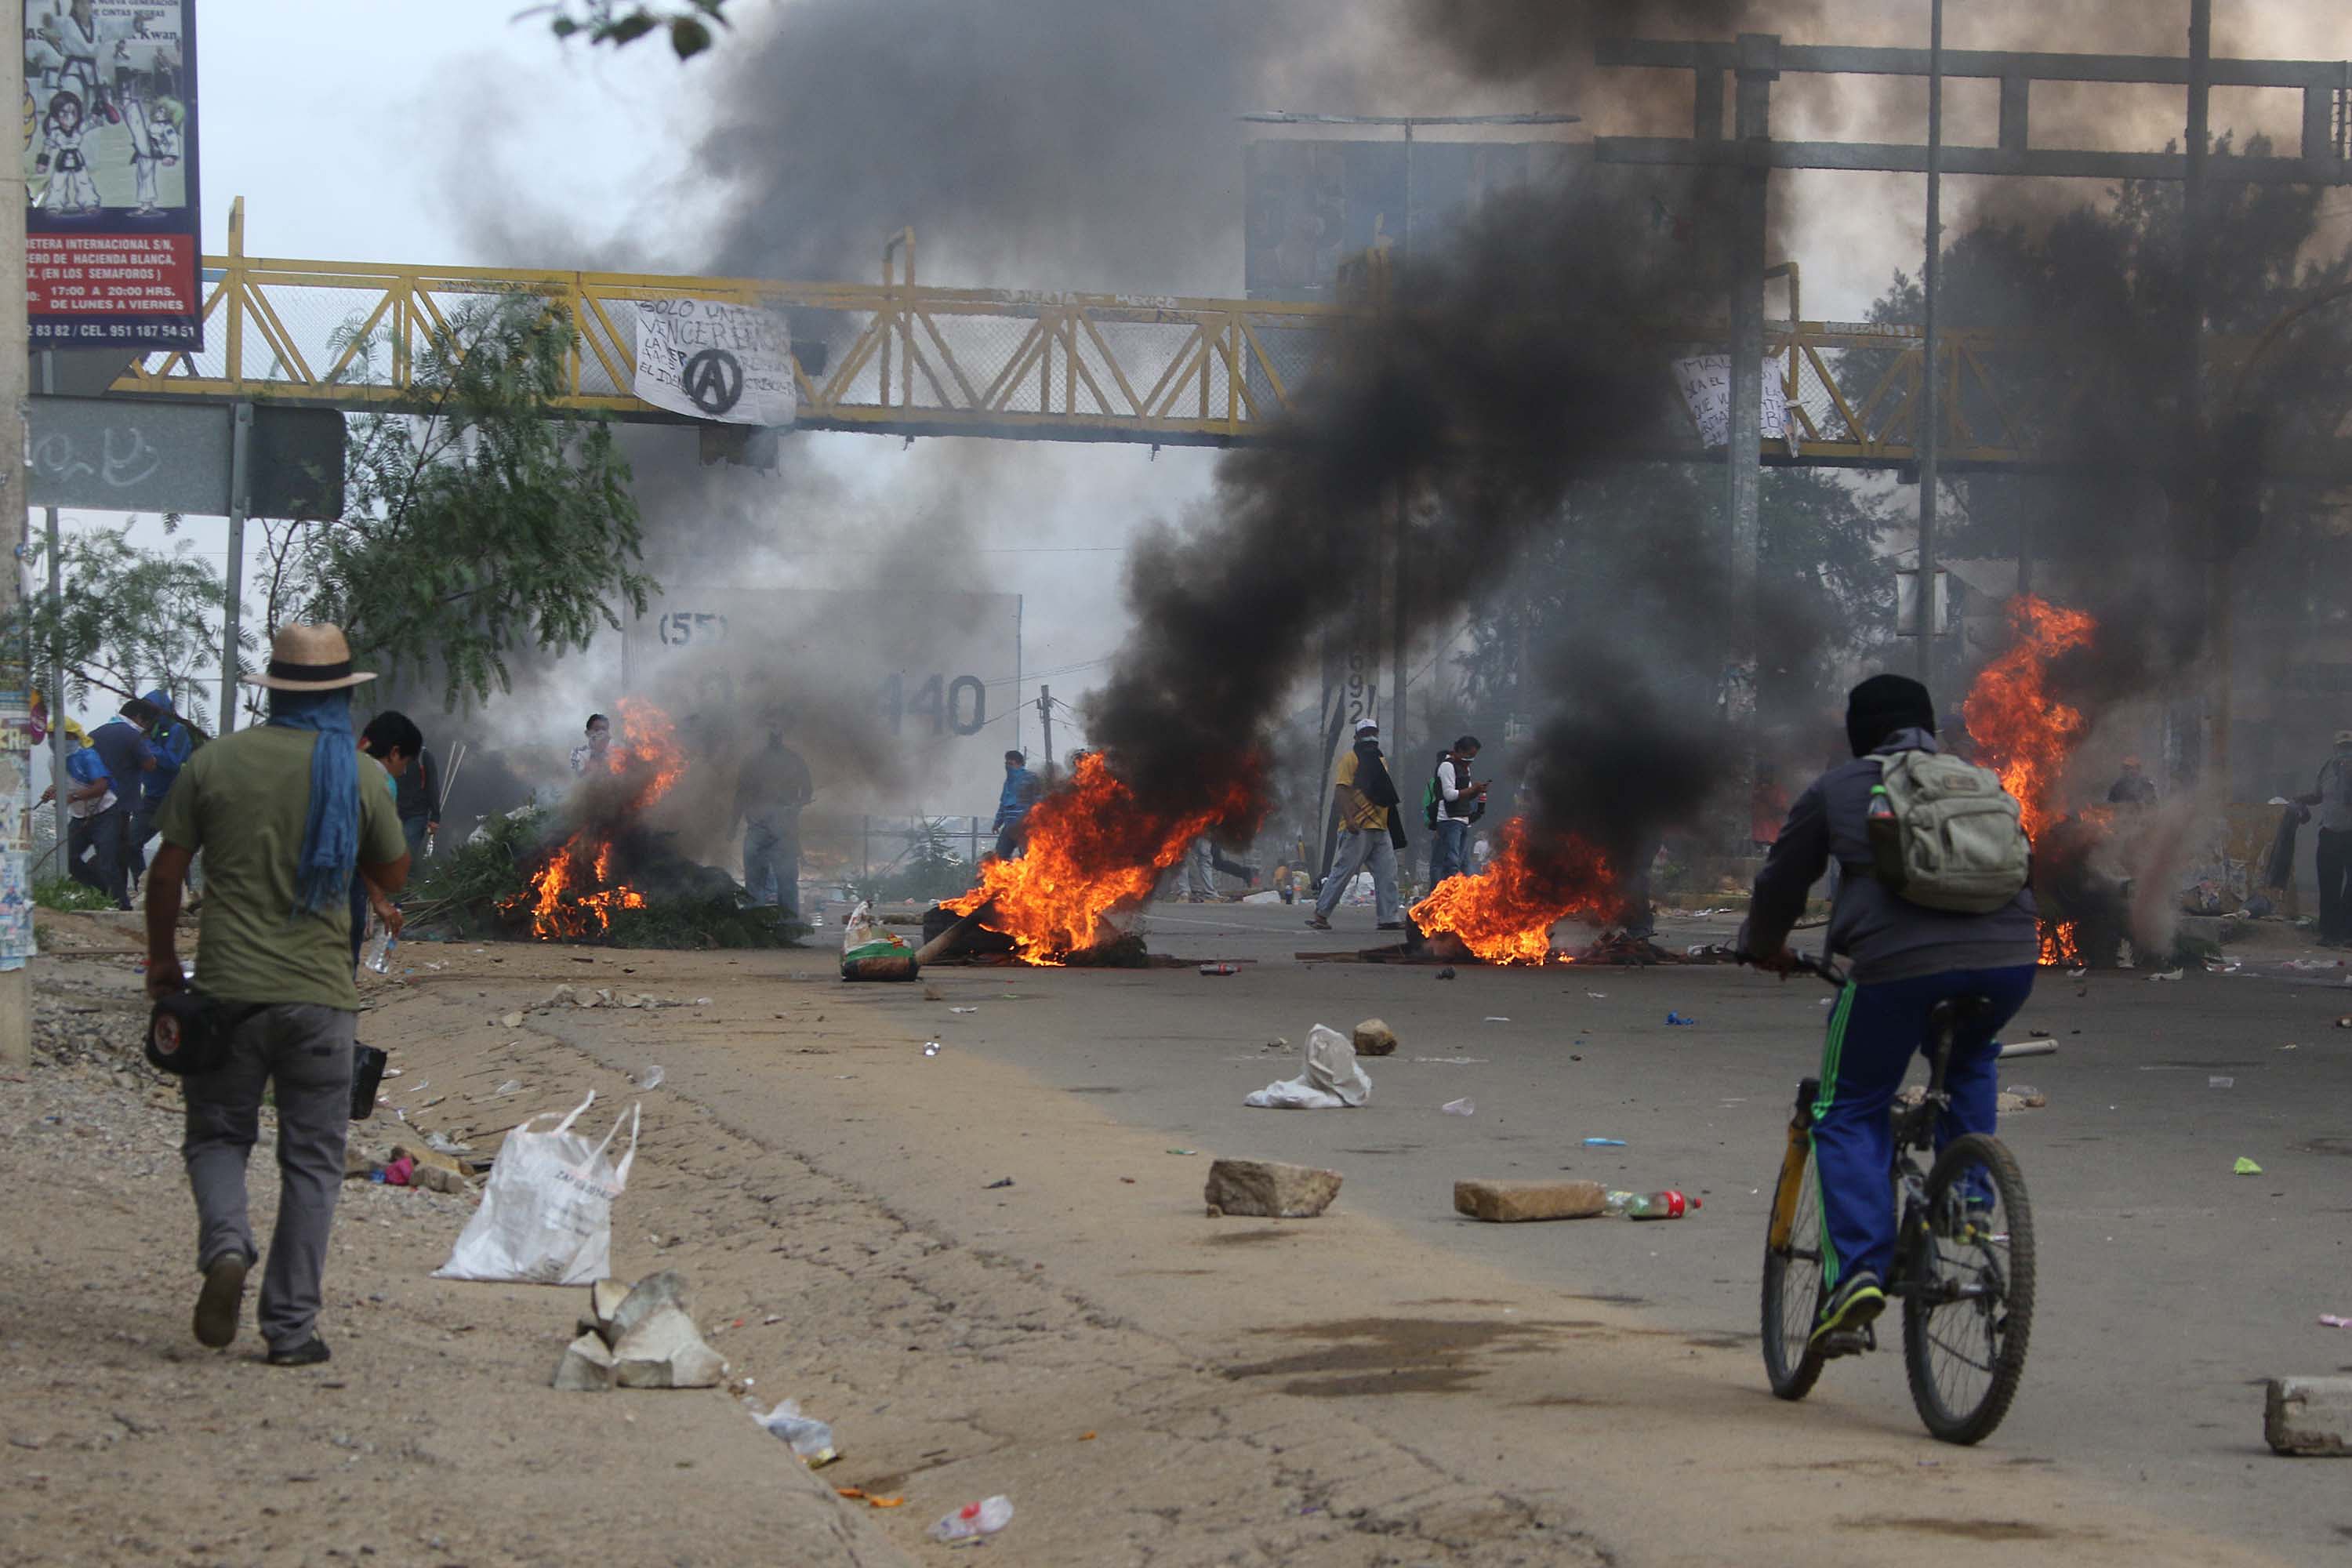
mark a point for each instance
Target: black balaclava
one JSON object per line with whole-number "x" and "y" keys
{"x": 1884, "y": 704}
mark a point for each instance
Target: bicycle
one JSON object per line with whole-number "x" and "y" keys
{"x": 1963, "y": 1258}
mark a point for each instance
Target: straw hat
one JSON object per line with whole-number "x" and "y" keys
{"x": 305, "y": 657}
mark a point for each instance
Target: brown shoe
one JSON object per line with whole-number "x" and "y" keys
{"x": 220, "y": 1301}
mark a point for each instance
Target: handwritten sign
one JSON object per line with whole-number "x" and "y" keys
{"x": 1705, "y": 383}
{"x": 708, "y": 359}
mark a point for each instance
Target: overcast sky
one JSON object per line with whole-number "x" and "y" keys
{"x": 441, "y": 131}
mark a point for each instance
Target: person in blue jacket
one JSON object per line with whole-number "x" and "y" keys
{"x": 174, "y": 742}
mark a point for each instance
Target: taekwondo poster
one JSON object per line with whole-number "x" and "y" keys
{"x": 112, "y": 236}
{"x": 715, "y": 360}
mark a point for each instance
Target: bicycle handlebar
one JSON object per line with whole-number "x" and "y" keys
{"x": 1815, "y": 964}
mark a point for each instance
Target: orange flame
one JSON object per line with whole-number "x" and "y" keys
{"x": 573, "y": 895}
{"x": 1093, "y": 849}
{"x": 2026, "y": 735}
{"x": 1505, "y": 916}
{"x": 2023, "y": 732}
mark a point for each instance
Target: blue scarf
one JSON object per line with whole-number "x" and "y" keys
{"x": 330, "y": 836}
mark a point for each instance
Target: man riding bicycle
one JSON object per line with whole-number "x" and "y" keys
{"x": 1903, "y": 958}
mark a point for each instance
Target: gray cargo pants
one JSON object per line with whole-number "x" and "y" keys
{"x": 304, "y": 1052}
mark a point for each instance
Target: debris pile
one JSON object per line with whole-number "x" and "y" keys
{"x": 639, "y": 1336}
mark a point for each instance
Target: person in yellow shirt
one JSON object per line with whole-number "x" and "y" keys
{"x": 1365, "y": 799}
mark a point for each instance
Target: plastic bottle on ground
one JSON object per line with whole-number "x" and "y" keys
{"x": 973, "y": 1518}
{"x": 1668, "y": 1205}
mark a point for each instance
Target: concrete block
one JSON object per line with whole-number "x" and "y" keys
{"x": 664, "y": 1350}
{"x": 1375, "y": 1038}
{"x": 586, "y": 1366}
{"x": 2310, "y": 1416}
{"x": 1269, "y": 1189}
{"x": 1504, "y": 1201}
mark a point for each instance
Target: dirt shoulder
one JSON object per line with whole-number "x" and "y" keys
{"x": 1146, "y": 1384}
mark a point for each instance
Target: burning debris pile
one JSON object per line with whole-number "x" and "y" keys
{"x": 1505, "y": 916}
{"x": 598, "y": 870}
{"x": 1096, "y": 848}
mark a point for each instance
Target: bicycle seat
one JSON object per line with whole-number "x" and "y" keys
{"x": 1958, "y": 1012}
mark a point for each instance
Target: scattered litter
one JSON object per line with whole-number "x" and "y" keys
{"x": 511, "y": 1085}
{"x": 963, "y": 1009}
{"x": 2313, "y": 963}
{"x": 1446, "y": 973}
{"x": 2039, "y": 1034}
{"x": 1220, "y": 969}
{"x": 391, "y": 1072}
{"x": 1183, "y": 1150}
{"x": 1005, "y": 1182}
{"x": 1454, "y": 1061}
{"x": 810, "y": 1439}
{"x": 2343, "y": 1022}
{"x": 930, "y": 1048}
{"x": 1276, "y": 1044}
{"x": 2169, "y": 974}
{"x": 1464, "y": 1107}
{"x": 702, "y": 1001}
{"x": 1598, "y": 996}
{"x": 1604, "y": 1142}
{"x": 974, "y": 1519}
{"x": 2330, "y": 1321}
{"x": 1678, "y": 1019}
{"x": 2030, "y": 1048}
{"x": 1828, "y": 1001}
{"x": 2288, "y": 1047}
{"x": 651, "y": 1077}
{"x": 1492, "y": 1018}
{"x": 1333, "y": 1078}
{"x": 2220, "y": 1082}
{"x": 442, "y": 1144}
{"x": 2245, "y": 1167}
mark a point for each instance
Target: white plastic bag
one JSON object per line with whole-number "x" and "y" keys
{"x": 547, "y": 1213}
{"x": 1333, "y": 1080}
{"x": 810, "y": 1439}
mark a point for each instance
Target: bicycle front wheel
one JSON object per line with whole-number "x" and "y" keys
{"x": 1792, "y": 1277}
{"x": 1970, "y": 1312}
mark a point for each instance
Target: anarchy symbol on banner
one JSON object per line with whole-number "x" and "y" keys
{"x": 714, "y": 379}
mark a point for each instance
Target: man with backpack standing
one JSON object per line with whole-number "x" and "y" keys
{"x": 1916, "y": 930}
{"x": 1364, "y": 798}
{"x": 1452, "y": 803}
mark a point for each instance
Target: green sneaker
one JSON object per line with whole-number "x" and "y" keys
{"x": 1854, "y": 1306}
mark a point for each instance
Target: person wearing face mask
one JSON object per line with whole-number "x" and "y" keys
{"x": 1365, "y": 797}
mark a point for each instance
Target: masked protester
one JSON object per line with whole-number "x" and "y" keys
{"x": 1365, "y": 799}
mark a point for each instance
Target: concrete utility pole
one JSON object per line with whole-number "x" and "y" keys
{"x": 1931, "y": 429}
{"x": 1045, "y": 718}
{"x": 1756, "y": 69}
{"x": 2196, "y": 437}
{"x": 16, "y": 679}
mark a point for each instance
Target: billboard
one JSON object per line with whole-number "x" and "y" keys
{"x": 112, "y": 241}
{"x": 901, "y": 702}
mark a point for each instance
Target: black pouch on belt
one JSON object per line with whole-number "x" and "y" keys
{"x": 367, "y": 1076}
{"x": 186, "y": 1035}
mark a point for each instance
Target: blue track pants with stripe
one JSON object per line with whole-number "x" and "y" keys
{"x": 1873, "y": 1032}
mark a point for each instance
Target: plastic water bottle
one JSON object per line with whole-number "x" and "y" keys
{"x": 1668, "y": 1205}
{"x": 974, "y": 1519}
{"x": 377, "y": 954}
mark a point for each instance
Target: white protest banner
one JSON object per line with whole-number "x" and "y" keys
{"x": 1705, "y": 383}
{"x": 708, "y": 360}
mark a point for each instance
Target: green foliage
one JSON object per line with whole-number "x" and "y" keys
{"x": 619, "y": 24}
{"x": 125, "y": 617}
{"x": 480, "y": 517}
{"x": 718, "y": 919}
{"x": 65, "y": 893}
{"x": 484, "y": 869}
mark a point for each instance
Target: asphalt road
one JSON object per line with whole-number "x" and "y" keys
{"x": 2170, "y": 1288}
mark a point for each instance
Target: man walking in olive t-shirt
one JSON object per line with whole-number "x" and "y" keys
{"x": 286, "y": 815}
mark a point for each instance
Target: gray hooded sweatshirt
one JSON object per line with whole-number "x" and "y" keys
{"x": 1883, "y": 935}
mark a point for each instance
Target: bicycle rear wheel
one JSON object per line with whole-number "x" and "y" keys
{"x": 1969, "y": 1311}
{"x": 1792, "y": 1279}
